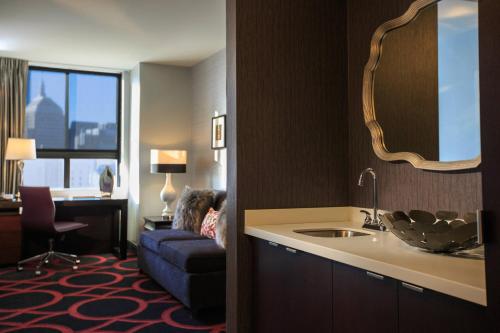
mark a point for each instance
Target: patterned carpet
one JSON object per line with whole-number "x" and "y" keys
{"x": 104, "y": 295}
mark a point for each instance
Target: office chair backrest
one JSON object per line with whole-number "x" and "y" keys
{"x": 38, "y": 210}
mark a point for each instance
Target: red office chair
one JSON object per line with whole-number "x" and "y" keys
{"x": 38, "y": 216}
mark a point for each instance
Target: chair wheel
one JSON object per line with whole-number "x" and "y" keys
{"x": 19, "y": 268}
{"x": 38, "y": 273}
{"x": 47, "y": 261}
{"x": 77, "y": 261}
{"x": 75, "y": 267}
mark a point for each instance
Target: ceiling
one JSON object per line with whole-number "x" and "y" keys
{"x": 112, "y": 33}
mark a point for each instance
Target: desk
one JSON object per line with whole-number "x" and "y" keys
{"x": 93, "y": 206}
{"x": 10, "y": 232}
{"x": 92, "y": 240}
{"x": 9, "y": 205}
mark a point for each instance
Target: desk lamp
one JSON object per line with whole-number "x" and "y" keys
{"x": 20, "y": 150}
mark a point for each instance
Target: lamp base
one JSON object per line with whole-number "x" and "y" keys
{"x": 168, "y": 196}
{"x": 20, "y": 167}
{"x": 167, "y": 212}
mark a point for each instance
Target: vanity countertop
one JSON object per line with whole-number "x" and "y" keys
{"x": 385, "y": 254}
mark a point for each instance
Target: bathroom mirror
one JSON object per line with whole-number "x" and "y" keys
{"x": 421, "y": 86}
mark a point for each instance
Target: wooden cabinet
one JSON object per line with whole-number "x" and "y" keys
{"x": 10, "y": 238}
{"x": 299, "y": 292}
{"x": 292, "y": 289}
{"x": 422, "y": 310}
{"x": 363, "y": 301}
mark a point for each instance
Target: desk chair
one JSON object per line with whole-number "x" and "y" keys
{"x": 38, "y": 216}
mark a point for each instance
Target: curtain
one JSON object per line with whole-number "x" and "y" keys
{"x": 13, "y": 89}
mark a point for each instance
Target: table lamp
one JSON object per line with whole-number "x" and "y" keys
{"x": 168, "y": 162}
{"x": 20, "y": 150}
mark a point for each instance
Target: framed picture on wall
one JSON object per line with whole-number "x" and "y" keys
{"x": 219, "y": 132}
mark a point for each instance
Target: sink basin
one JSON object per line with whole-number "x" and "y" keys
{"x": 331, "y": 233}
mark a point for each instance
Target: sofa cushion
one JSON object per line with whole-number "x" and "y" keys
{"x": 208, "y": 224}
{"x": 191, "y": 208}
{"x": 220, "y": 198}
{"x": 221, "y": 227}
{"x": 194, "y": 256}
{"x": 152, "y": 239}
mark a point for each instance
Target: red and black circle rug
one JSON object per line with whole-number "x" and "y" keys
{"x": 104, "y": 295}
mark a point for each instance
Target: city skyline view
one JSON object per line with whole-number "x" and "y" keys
{"x": 91, "y": 96}
{"x": 91, "y": 119}
{"x": 71, "y": 111}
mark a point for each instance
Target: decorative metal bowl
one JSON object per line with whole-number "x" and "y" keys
{"x": 444, "y": 232}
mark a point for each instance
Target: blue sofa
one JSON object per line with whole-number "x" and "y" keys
{"x": 189, "y": 266}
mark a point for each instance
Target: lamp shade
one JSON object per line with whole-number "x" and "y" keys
{"x": 168, "y": 161}
{"x": 20, "y": 149}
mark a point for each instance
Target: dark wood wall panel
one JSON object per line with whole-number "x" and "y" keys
{"x": 400, "y": 185}
{"x": 238, "y": 258}
{"x": 291, "y": 102}
{"x": 296, "y": 135}
{"x": 287, "y": 142}
{"x": 489, "y": 49}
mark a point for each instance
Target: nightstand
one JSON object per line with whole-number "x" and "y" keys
{"x": 157, "y": 222}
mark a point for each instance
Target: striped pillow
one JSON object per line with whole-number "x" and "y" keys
{"x": 209, "y": 222}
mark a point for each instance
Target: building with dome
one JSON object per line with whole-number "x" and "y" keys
{"x": 45, "y": 122}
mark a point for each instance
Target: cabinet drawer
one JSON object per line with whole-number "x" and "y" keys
{"x": 363, "y": 301}
{"x": 423, "y": 310}
{"x": 10, "y": 255}
{"x": 10, "y": 223}
{"x": 293, "y": 290}
{"x": 10, "y": 239}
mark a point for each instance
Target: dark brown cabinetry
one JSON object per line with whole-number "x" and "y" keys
{"x": 10, "y": 239}
{"x": 10, "y": 232}
{"x": 292, "y": 290}
{"x": 422, "y": 310}
{"x": 363, "y": 301}
{"x": 300, "y": 292}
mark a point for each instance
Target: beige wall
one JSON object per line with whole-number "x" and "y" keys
{"x": 171, "y": 108}
{"x": 133, "y": 162}
{"x": 160, "y": 118}
{"x": 209, "y": 96}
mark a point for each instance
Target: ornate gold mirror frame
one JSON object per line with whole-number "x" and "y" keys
{"x": 368, "y": 100}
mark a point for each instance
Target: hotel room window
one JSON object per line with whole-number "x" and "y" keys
{"x": 74, "y": 116}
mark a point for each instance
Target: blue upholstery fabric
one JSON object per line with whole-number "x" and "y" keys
{"x": 152, "y": 239}
{"x": 196, "y": 291}
{"x": 191, "y": 267}
{"x": 194, "y": 256}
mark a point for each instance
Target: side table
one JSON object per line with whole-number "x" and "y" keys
{"x": 157, "y": 222}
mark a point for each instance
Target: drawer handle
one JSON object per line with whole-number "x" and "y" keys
{"x": 375, "y": 276}
{"x": 273, "y": 244}
{"x": 412, "y": 287}
{"x": 291, "y": 250}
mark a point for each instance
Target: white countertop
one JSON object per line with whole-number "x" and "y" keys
{"x": 381, "y": 253}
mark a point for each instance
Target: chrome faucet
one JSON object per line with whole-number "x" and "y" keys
{"x": 375, "y": 222}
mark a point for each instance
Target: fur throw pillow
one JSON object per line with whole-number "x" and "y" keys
{"x": 191, "y": 208}
{"x": 221, "y": 227}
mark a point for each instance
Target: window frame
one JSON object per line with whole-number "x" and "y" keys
{"x": 68, "y": 154}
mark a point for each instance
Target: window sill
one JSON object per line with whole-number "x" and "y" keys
{"x": 74, "y": 192}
